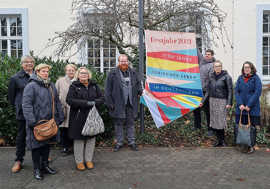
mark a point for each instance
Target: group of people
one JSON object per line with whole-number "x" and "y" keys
{"x": 75, "y": 94}
{"x": 218, "y": 90}
{"x": 72, "y": 97}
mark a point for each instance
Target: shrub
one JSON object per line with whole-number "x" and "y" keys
{"x": 8, "y": 67}
{"x": 175, "y": 134}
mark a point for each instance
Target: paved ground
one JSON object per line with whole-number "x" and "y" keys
{"x": 150, "y": 168}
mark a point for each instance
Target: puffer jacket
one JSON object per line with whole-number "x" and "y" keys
{"x": 220, "y": 86}
{"x": 37, "y": 105}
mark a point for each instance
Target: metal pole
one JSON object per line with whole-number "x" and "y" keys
{"x": 141, "y": 60}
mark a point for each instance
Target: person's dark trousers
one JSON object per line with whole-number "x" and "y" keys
{"x": 129, "y": 122}
{"x": 66, "y": 142}
{"x": 253, "y": 135}
{"x": 197, "y": 115}
{"x": 40, "y": 156}
{"x": 20, "y": 140}
{"x": 220, "y": 133}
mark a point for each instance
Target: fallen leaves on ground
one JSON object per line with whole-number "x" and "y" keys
{"x": 256, "y": 147}
{"x": 240, "y": 179}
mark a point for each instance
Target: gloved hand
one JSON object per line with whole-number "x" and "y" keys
{"x": 111, "y": 107}
{"x": 90, "y": 103}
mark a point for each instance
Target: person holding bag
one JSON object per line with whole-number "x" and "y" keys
{"x": 247, "y": 93}
{"x": 83, "y": 95}
{"x": 41, "y": 103}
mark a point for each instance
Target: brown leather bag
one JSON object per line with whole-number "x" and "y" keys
{"x": 46, "y": 129}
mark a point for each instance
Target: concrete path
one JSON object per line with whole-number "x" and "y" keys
{"x": 149, "y": 168}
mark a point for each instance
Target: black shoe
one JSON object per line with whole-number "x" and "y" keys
{"x": 220, "y": 144}
{"x": 133, "y": 147}
{"x": 66, "y": 152}
{"x": 37, "y": 174}
{"x": 47, "y": 170}
{"x": 117, "y": 148}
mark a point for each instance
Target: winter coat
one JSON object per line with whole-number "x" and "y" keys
{"x": 206, "y": 68}
{"x": 77, "y": 97}
{"x": 62, "y": 85}
{"x": 114, "y": 96}
{"x": 37, "y": 105}
{"x": 220, "y": 86}
{"x": 248, "y": 94}
{"x": 15, "y": 91}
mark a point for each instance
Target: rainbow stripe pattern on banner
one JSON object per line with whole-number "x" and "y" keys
{"x": 173, "y": 85}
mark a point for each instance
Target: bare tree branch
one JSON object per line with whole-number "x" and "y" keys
{"x": 117, "y": 21}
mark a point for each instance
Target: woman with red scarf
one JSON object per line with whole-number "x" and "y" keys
{"x": 247, "y": 93}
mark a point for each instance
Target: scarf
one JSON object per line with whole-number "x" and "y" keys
{"x": 126, "y": 86}
{"x": 246, "y": 77}
{"x": 46, "y": 82}
{"x": 217, "y": 76}
{"x": 85, "y": 83}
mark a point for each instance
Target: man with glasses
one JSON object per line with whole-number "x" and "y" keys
{"x": 15, "y": 92}
{"x": 122, "y": 92}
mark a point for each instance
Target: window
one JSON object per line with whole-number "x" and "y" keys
{"x": 13, "y": 32}
{"x": 266, "y": 44}
{"x": 101, "y": 54}
{"x": 196, "y": 28}
{"x": 263, "y": 41}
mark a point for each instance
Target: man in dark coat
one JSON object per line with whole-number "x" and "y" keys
{"x": 206, "y": 64}
{"x": 15, "y": 93}
{"x": 122, "y": 92}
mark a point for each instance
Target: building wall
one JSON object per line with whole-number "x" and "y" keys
{"x": 241, "y": 41}
{"x": 44, "y": 19}
{"x": 242, "y": 26}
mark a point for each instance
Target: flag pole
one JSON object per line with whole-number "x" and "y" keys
{"x": 141, "y": 60}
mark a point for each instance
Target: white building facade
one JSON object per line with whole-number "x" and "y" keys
{"x": 27, "y": 25}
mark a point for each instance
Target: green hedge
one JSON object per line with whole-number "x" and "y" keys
{"x": 177, "y": 133}
{"x": 8, "y": 67}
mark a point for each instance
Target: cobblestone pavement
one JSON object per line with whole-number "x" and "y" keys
{"x": 149, "y": 168}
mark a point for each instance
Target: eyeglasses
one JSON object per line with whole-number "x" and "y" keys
{"x": 30, "y": 62}
{"x": 83, "y": 73}
{"x": 246, "y": 67}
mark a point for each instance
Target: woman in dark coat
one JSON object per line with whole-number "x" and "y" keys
{"x": 220, "y": 99}
{"x": 248, "y": 90}
{"x": 37, "y": 105}
{"x": 83, "y": 94}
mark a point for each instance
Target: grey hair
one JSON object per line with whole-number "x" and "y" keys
{"x": 24, "y": 58}
{"x": 218, "y": 61}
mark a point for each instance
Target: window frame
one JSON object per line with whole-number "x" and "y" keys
{"x": 101, "y": 57}
{"x": 23, "y": 12}
{"x": 260, "y": 9}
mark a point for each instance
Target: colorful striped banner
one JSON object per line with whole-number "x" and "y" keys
{"x": 173, "y": 85}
